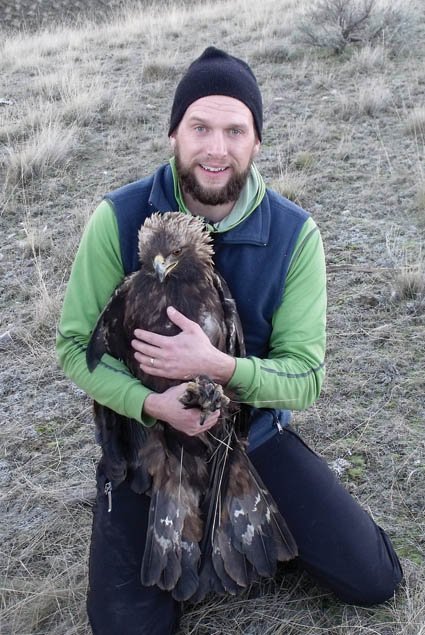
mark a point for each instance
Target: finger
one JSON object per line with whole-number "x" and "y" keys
{"x": 211, "y": 420}
{"x": 151, "y": 365}
{"x": 146, "y": 349}
{"x": 150, "y": 338}
{"x": 179, "y": 319}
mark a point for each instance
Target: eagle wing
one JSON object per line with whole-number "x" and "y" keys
{"x": 108, "y": 336}
{"x": 235, "y": 344}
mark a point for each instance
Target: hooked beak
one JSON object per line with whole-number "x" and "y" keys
{"x": 162, "y": 267}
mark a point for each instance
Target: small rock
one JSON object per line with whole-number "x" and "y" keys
{"x": 339, "y": 466}
{"x": 6, "y": 340}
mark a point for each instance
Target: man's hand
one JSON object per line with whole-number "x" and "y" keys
{"x": 166, "y": 406}
{"x": 182, "y": 356}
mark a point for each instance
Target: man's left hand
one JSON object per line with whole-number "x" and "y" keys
{"x": 182, "y": 356}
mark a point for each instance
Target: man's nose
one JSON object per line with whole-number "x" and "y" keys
{"x": 217, "y": 145}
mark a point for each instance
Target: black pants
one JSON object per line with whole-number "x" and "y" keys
{"x": 338, "y": 542}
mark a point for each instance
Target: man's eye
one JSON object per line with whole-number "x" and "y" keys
{"x": 200, "y": 128}
{"x": 236, "y": 131}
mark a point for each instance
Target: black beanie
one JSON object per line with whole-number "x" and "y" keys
{"x": 217, "y": 73}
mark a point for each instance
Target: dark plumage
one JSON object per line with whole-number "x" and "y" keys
{"x": 213, "y": 526}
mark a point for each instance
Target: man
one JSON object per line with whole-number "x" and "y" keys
{"x": 271, "y": 255}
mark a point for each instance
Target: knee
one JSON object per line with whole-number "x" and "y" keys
{"x": 377, "y": 583}
{"x": 372, "y": 593}
{"x": 135, "y": 611}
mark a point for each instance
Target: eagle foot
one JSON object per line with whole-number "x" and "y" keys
{"x": 205, "y": 394}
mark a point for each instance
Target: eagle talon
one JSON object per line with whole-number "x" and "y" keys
{"x": 205, "y": 394}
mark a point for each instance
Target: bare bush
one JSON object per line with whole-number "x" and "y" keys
{"x": 335, "y": 24}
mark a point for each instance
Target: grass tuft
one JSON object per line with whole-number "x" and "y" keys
{"x": 420, "y": 195}
{"x": 157, "y": 71}
{"x": 50, "y": 147}
{"x": 303, "y": 160}
{"x": 292, "y": 185}
{"x": 415, "y": 121}
{"x": 275, "y": 54}
{"x": 367, "y": 59}
{"x": 370, "y": 100}
{"x": 409, "y": 284}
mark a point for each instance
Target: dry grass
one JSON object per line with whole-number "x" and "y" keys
{"x": 420, "y": 194}
{"x": 49, "y": 147}
{"x": 291, "y": 184}
{"x": 369, "y": 100}
{"x": 368, "y": 59}
{"x": 88, "y": 112}
{"x": 415, "y": 121}
{"x": 408, "y": 257}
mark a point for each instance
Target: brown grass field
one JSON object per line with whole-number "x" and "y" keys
{"x": 83, "y": 109}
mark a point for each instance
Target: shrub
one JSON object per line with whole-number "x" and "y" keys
{"x": 334, "y": 24}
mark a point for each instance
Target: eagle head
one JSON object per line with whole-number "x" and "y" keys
{"x": 174, "y": 243}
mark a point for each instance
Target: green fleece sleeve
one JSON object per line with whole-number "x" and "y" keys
{"x": 96, "y": 272}
{"x": 292, "y": 375}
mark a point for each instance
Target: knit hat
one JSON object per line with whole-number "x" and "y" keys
{"x": 217, "y": 73}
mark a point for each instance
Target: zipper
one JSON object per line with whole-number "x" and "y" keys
{"x": 108, "y": 493}
{"x": 278, "y": 424}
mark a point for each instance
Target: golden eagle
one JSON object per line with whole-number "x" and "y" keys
{"x": 213, "y": 525}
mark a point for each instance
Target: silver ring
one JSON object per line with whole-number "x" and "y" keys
{"x": 152, "y": 361}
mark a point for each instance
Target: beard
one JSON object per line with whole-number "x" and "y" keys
{"x": 228, "y": 193}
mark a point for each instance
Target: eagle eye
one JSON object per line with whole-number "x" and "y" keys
{"x": 177, "y": 252}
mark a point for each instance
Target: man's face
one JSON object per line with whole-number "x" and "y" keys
{"x": 214, "y": 146}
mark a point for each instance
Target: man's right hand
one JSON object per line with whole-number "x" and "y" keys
{"x": 167, "y": 407}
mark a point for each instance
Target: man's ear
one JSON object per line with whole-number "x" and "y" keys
{"x": 257, "y": 147}
{"x": 172, "y": 140}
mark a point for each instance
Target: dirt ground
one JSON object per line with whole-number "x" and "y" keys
{"x": 339, "y": 139}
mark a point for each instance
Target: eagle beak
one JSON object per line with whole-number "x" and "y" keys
{"x": 163, "y": 266}
{"x": 160, "y": 267}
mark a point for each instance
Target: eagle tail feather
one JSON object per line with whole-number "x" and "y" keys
{"x": 251, "y": 535}
{"x": 209, "y": 582}
{"x": 153, "y": 557}
{"x": 284, "y": 540}
{"x": 188, "y": 582}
